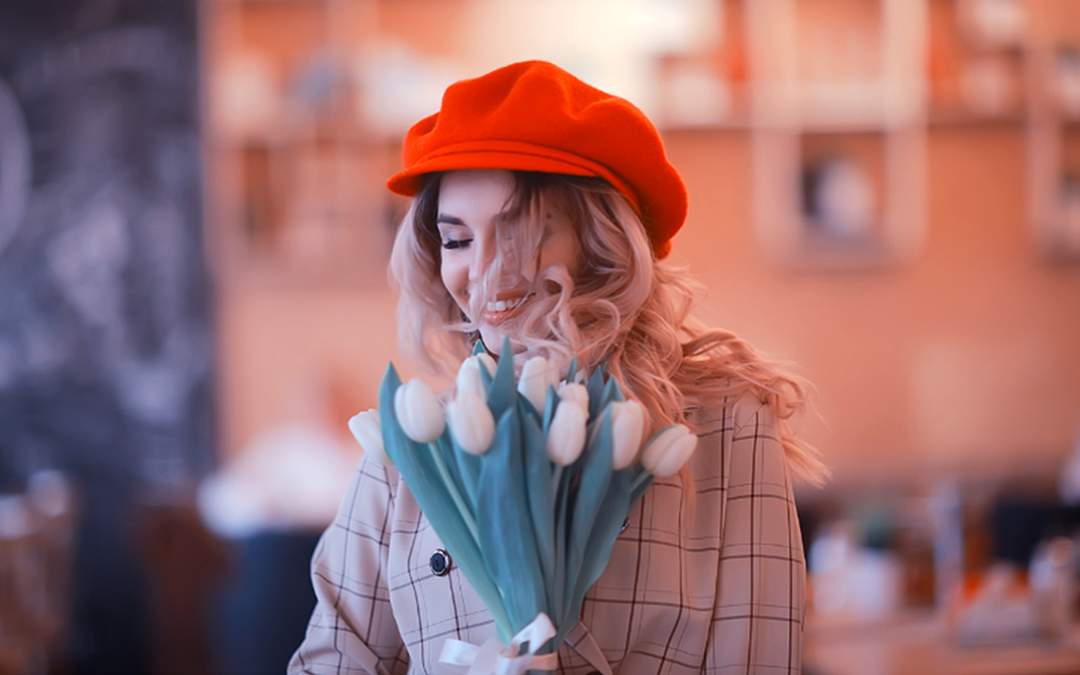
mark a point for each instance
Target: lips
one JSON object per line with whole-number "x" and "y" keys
{"x": 506, "y": 306}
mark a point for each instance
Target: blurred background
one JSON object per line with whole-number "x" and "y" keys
{"x": 193, "y": 236}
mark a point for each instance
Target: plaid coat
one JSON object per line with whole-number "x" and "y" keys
{"x": 719, "y": 588}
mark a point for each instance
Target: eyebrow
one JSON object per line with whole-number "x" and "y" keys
{"x": 451, "y": 220}
{"x": 454, "y": 220}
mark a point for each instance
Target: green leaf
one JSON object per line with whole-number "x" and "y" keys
{"x": 550, "y": 403}
{"x": 478, "y": 348}
{"x": 611, "y": 391}
{"x": 541, "y": 503}
{"x": 504, "y": 525}
{"x": 618, "y": 390}
{"x": 445, "y": 446}
{"x": 595, "y": 476}
{"x": 416, "y": 465}
{"x": 642, "y": 480}
{"x": 562, "y": 529}
{"x": 595, "y": 387}
{"x": 503, "y": 391}
{"x": 486, "y": 378}
{"x": 468, "y": 470}
{"x": 605, "y": 530}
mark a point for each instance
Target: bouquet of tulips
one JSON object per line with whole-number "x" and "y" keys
{"x": 527, "y": 483}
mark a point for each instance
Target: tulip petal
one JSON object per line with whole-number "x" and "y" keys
{"x": 574, "y": 393}
{"x": 668, "y": 450}
{"x": 418, "y": 411}
{"x": 365, "y": 429}
{"x": 566, "y": 436}
{"x": 471, "y": 423}
{"x": 532, "y": 385}
{"x": 629, "y": 425}
{"x": 469, "y": 379}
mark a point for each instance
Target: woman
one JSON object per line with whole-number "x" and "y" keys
{"x": 542, "y": 209}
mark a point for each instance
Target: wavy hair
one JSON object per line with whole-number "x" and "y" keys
{"x": 624, "y": 308}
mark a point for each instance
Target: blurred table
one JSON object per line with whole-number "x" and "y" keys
{"x": 917, "y": 644}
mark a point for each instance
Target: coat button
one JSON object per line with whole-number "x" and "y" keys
{"x": 625, "y": 524}
{"x": 440, "y": 562}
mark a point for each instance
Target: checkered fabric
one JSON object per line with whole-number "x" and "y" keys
{"x": 719, "y": 588}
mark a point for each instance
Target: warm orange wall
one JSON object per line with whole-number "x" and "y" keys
{"x": 969, "y": 358}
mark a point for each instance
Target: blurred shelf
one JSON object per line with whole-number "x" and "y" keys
{"x": 218, "y": 142}
{"x": 913, "y": 643}
{"x": 975, "y": 120}
{"x": 736, "y": 125}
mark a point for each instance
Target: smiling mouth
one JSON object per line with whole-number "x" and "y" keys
{"x": 498, "y": 311}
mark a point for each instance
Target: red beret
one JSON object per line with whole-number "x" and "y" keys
{"x": 535, "y": 116}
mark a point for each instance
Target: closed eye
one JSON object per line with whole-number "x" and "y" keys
{"x": 455, "y": 243}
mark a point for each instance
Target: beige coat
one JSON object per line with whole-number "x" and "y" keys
{"x": 720, "y": 589}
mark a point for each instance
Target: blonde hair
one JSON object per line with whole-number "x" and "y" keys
{"x": 625, "y": 308}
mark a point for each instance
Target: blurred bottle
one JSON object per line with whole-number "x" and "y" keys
{"x": 1053, "y": 585}
{"x": 947, "y": 509}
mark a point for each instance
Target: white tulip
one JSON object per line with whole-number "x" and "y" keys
{"x": 471, "y": 422}
{"x": 418, "y": 411}
{"x": 627, "y": 424}
{"x": 574, "y": 393}
{"x": 667, "y": 453}
{"x": 469, "y": 377}
{"x": 566, "y": 437}
{"x": 367, "y": 431}
{"x": 536, "y": 375}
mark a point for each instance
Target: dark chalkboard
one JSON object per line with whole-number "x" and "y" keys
{"x": 106, "y": 352}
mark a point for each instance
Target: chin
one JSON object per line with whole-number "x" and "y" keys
{"x": 492, "y": 337}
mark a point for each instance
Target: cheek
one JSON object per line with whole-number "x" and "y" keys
{"x": 455, "y": 278}
{"x": 562, "y": 250}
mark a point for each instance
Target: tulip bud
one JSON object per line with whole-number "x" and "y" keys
{"x": 367, "y": 431}
{"x": 628, "y": 424}
{"x": 488, "y": 362}
{"x": 667, "y": 453}
{"x": 469, "y": 377}
{"x": 471, "y": 422}
{"x": 536, "y": 375}
{"x": 566, "y": 436}
{"x": 418, "y": 411}
{"x": 574, "y": 393}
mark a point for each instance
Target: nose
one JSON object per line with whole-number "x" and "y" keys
{"x": 483, "y": 253}
{"x": 497, "y": 243}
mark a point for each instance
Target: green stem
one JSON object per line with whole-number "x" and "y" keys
{"x": 640, "y": 480}
{"x": 556, "y": 476}
{"x": 448, "y": 480}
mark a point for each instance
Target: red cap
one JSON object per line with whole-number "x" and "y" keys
{"x": 535, "y": 116}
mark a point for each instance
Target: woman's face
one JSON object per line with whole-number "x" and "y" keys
{"x": 470, "y": 204}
